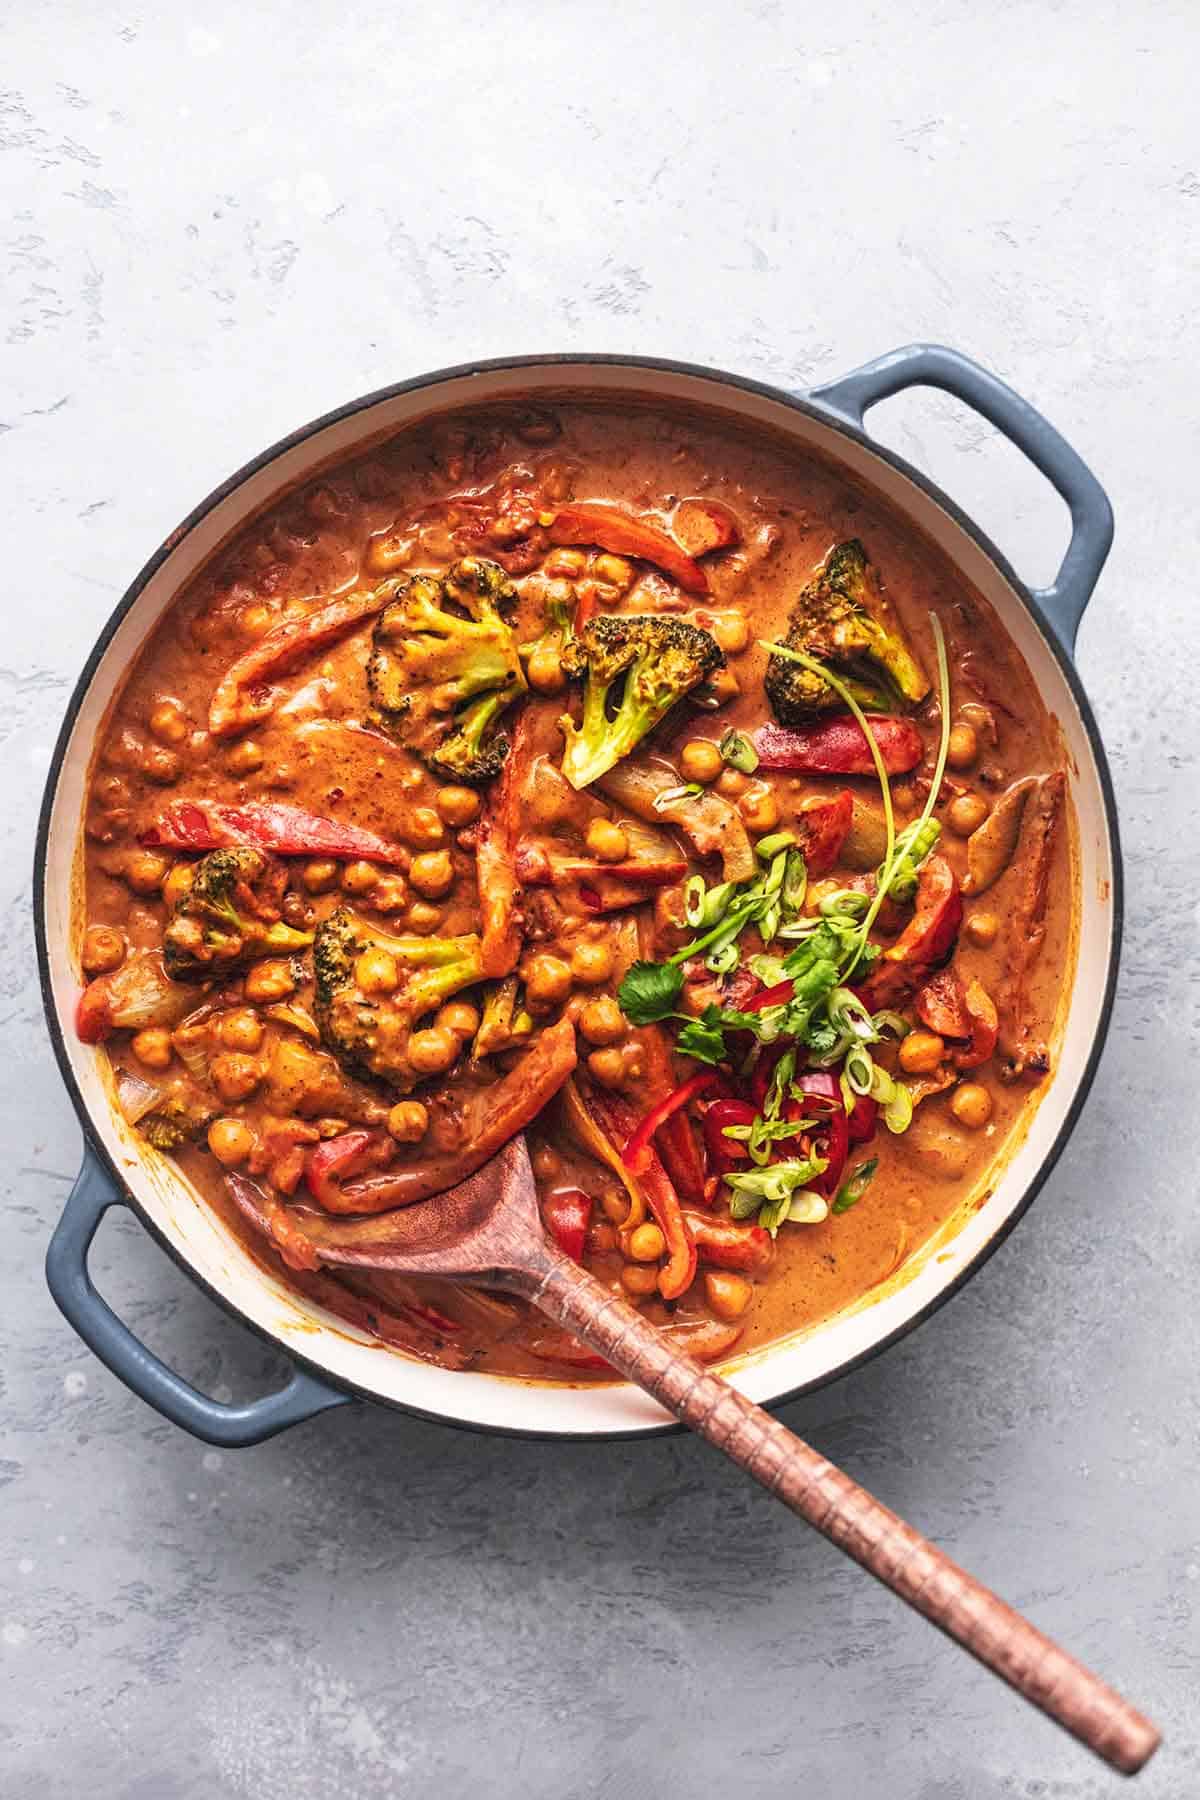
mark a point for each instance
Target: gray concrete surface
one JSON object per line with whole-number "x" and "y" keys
{"x": 220, "y": 221}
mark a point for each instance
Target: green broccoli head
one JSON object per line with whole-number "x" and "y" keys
{"x": 228, "y": 915}
{"x": 175, "y": 1121}
{"x": 444, "y": 666}
{"x": 844, "y": 618}
{"x": 634, "y": 667}
{"x": 368, "y": 1025}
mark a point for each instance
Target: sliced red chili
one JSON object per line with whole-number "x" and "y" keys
{"x": 568, "y": 1215}
{"x": 635, "y": 1154}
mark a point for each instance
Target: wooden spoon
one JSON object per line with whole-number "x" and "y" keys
{"x": 488, "y": 1231}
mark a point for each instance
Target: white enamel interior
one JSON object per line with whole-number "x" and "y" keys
{"x": 485, "y": 1400}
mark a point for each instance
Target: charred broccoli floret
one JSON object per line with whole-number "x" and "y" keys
{"x": 844, "y": 618}
{"x": 372, "y": 989}
{"x": 634, "y": 669}
{"x": 230, "y": 913}
{"x": 444, "y": 666}
{"x": 175, "y": 1121}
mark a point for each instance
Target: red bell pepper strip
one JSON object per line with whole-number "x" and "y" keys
{"x": 501, "y": 925}
{"x": 243, "y": 696}
{"x": 676, "y": 1141}
{"x": 838, "y": 746}
{"x": 539, "y": 867}
{"x": 926, "y": 942}
{"x": 616, "y": 1120}
{"x": 726, "y": 1244}
{"x": 822, "y": 822}
{"x": 568, "y": 1214}
{"x": 265, "y": 825}
{"x": 724, "y": 1152}
{"x": 489, "y": 1118}
{"x": 327, "y": 1165}
{"x": 862, "y": 1119}
{"x": 985, "y": 1027}
{"x": 779, "y": 995}
{"x": 822, "y": 1086}
{"x": 621, "y": 533}
{"x": 942, "y": 1005}
{"x": 699, "y": 526}
{"x": 637, "y": 1150}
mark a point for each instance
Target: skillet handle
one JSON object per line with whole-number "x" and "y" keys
{"x": 932, "y": 365}
{"x": 70, "y": 1283}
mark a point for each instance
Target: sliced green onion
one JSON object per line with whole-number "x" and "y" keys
{"x": 859, "y": 1070}
{"x": 891, "y": 1021}
{"x": 844, "y": 903}
{"x": 898, "y": 1112}
{"x": 772, "y": 1213}
{"x": 768, "y": 847}
{"x": 795, "y": 882}
{"x": 769, "y": 969}
{"x": 737, "y": 750}
{"x": 723, "y": 960}
{"x": 882, "y": 1087}
{"x": 849, "y": 1016}
{"x": 694, "y": 891}
{"x": 855, "y": 1186}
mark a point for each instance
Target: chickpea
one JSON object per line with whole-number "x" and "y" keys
{"x": 607, "y": 1067}
{"x": 962, "y": 747}
{"x": 230, "y": 1142}
{"x": 614, "y": 1204}
{"x": 700, "y": 761}
{"x": 566, "y": 564}
{"x": 601, "y": 1021}
{"x": 144, "y": 871}
{"x": 547, "y": 981}
{"x": 457, "y": 805}
{"x": 423, "y": 917}
{"x": 724, "y": 686}
{"x": 432, "y": 873}
{"x": 389, "y": 893}
{"x": 607, "y": 841}
{"x": 244, "y": 758}
{"x": 546, "y": 1163}
{"x": 460, "y": 1017}
{"x": 254, "y": 621}
{"x": 967, "y": 813}
{"x": 178, "y": 882}
{"x": 424, "y": 829}
{"x": 167, "y": 722}
{"x": 375, "y": 972}
{"x": 982, "y": 929}
{"x": 153, "y": 1047}
{"x": 614, "y": 570}
{"x": 388, "y": 553}
{"x": 320, "y": 875}
{"x": 760, "y": 810}
{"x": 728, "y": 1295}
{"x": 646, "y": 1243}
{"x": 160, "y": 765}
{"x": 971, "y": 1104}
{"x": 433, "y": 1050}
{"x": 920, "y": 1052}
{"x": 103, "y": 949}
{"x": 235, "y": 1077}
{"x": 592, "y": 963}
{"x": 271, "y": 980}
{"x": 408, "y": 1121}
{"x": 633, "y": 1062}
{"x": 732, "y": 783}
{"x": 731, "y": 632}
{"x": 240, "y": 1029}
{"x": 544, "y": 670}
{"x": 639, "y": 1280}
{"x": 359, "y": 877}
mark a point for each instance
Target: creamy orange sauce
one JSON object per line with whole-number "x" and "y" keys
{"x": 390, "y": 513}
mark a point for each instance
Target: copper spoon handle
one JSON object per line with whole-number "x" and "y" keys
{"x": 845, "y": 1513}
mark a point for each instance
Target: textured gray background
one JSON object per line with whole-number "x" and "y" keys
{"x": 218, "y": 222}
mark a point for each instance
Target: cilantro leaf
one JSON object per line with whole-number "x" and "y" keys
{"x": 649, "y": 991}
